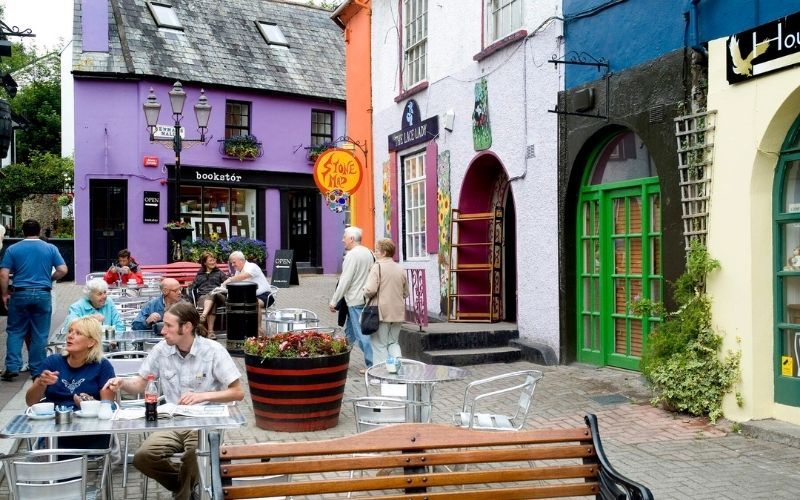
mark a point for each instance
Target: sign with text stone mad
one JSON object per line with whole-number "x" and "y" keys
{"x": 337, "y": 173}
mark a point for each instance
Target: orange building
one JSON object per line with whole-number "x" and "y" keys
{"x": 353, "y": 16}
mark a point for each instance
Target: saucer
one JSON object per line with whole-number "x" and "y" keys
{"x": 80, "y": 414}
{"x": 46, "y": 416}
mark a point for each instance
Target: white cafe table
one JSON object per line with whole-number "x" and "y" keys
{"x": 21, "y": 427}
{"x": 416, "y": 376}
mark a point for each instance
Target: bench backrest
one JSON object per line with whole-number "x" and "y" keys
{"x": 426, "y": 461}
{"x": 184, "y": 272}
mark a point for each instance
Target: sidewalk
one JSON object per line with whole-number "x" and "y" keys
{"x": 676, "y": 456}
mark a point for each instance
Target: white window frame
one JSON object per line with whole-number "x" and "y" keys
{"x": 503, "y": 17}
{"x": 272, "y": 34}
{"x": 415, "y": 42}
{"x": 165, "y": 16}
{"x": 414, "y": 223}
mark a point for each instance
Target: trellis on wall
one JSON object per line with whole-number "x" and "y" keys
{"x": 695, "y": 136}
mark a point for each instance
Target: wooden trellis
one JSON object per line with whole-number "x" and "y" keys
{"x": 695, "y": 136}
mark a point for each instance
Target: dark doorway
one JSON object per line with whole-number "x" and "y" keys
{"x": 510, "y": 259}
{"x": 301, "y": 226}
{"x": 108, "y": 217}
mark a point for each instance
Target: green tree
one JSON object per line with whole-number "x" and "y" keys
{"x": 45, "y": 173}
{"x": 39, "y": 104}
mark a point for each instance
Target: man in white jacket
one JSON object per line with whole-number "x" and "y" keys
{"x": 355, "y": 269}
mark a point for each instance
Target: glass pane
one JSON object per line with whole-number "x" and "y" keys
{"x": 190, "y": 200}
{"x": 620, "y": 261}
{"x": 636, "y": 290}
{"x": 791, "y": 299}
{"x": 620, "y": 336}
{"x": 587, "y": 331}
{"x": 791, "y": 245}
{"x": 620, "y": 296}
{"x": 790, "y": 353}
{"x": 791, "y": 187}
{"x": 625, "y": 157}
{"x": 636, "y": 337}
{"x": 587, "y": 219}
{"x": 635, "y": 256}
{"x": 634, "y": 215}
{"x": 655, "y": 255}
{"x": 216, "y": 200}
{"x": 619, "y": 216}
{"x": 587, "y": 294}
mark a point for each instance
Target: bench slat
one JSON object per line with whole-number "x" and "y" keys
{"x": 315, "y": 465}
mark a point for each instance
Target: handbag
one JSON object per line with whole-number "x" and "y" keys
{"x": 370, "y": 317}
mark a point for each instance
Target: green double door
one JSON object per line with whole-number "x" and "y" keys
{"x": 619, "y": 264}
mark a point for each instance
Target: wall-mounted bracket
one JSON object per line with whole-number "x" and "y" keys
{"x": 584, "y": 59}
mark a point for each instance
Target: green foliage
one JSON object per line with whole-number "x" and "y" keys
{"x": 45, "y": 173}
{"x": 65, "y": 228}
{"x": 242, "y": 146}
{"x": 682, "y": 360}
{"x": 296, "y": 344}
{"x": 253, "y": 250}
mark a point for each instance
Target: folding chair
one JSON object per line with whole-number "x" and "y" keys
{"x": 504, "y": 406}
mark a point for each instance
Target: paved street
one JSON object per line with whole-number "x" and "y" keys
{"x": 676, "y": 456}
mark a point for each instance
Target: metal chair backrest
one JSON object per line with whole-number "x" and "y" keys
{"x": 372, "y": 412}
{"x": 126, "y": 362}
{"x": 32, "y": 476}
{"x": 475, "y": 412}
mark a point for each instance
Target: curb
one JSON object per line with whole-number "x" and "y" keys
{"x": 774, "y": 431}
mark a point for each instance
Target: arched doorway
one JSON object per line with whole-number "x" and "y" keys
{"x": 618, "y": 250}
{"x": 480, "y": 292}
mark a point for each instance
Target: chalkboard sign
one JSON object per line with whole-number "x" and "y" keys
{"x": 284, "y": 269}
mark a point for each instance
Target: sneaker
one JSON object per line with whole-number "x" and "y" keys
{"x": 25, "y": 368}
{"x": 9, "y": 376}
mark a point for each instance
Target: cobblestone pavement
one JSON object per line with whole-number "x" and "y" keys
{"x": 675, "y": 455}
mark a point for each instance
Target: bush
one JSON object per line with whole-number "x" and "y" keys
{"x": 253, "y": 250}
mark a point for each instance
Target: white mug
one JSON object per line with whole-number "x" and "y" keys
{"x": 90, "y": 407}
{"x": 41, "y": 409}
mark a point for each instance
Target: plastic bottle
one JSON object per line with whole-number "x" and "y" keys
{"x": 151, "y": 399}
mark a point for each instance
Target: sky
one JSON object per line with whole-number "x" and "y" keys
{"x": 49, "y": 20}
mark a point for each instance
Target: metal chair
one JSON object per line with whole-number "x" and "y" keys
{"x": 377, "y": 411}
{"x": 399, "y": 390}
{"x": 479, "y": 410}
{"x": 48, "y": 475}
{"x": 285, "y": 320}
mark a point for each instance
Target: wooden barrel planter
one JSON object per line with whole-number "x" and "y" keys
{"x": 297, "y": 394}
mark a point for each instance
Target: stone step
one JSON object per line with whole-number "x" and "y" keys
{"x": 477, "y": 356}
{"x": 466, "y": 339}
{"x": 306, "y": 269}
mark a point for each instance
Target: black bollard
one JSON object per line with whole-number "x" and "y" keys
{"x": 242, "y": 307}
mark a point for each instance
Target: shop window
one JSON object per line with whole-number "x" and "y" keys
{"x": 415, "y": 41}
{"x": 502, "y": 18}
{"x": 217, "y": 212}
{"x": 625, "y": 158}
{"x": 787, "y": 281}
{"x": 237, "y": 118}
{"x": 413, "y": 211}
{"x": 321, "y": 128}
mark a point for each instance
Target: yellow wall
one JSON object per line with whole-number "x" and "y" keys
{"x": 752, "y": 121}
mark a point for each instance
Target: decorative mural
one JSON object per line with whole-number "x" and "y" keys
{"x": 445, "y": 213}
{"x": 387, "y": 199}
{"x": 481, "y": 131}
{"x": 499, "y": 193}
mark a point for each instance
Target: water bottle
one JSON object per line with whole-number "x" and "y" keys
{"x": 151, "y": 399}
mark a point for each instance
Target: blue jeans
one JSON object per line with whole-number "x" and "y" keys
{"x": 28, "y": 311}
{"x": 352, "y": 329}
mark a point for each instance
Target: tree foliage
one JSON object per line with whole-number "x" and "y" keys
{"x": 45, "y": 173}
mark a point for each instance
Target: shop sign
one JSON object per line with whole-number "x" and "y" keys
{"x": 412, "y": 129}
{"x": 151, "y": 161}
{"x": 338, "y": 168}
{"x": 764, "y": 49}
{"x": 167, "y": 132}
{"x": 284, "y": 269}
{"x": 152, "y": 203}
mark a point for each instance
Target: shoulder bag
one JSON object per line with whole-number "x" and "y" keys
{"x": 370, "y": 317}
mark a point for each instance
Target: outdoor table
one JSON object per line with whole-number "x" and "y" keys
{"x": 21, "y": 427}
{"x": 131, "y": 337}
{"x": 416, "y": 376}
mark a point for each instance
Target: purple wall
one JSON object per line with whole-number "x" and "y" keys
{"x": 111, "y": 140}
{"x": 94, "y": 25}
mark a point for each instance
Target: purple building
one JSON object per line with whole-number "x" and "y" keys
{"x": 269, "y": 69}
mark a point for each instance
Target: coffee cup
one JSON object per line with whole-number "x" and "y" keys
{"x": 90, "y": 407}
{"x": 41, "y": 409}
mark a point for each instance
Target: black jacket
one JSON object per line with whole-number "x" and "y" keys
{"x": 204, "y": 282}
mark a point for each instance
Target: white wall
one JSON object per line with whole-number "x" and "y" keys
{"x": 522, "y": 87}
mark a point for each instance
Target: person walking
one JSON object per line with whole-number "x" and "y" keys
{"x": 387, "y": 279}
{"x": 29, "y": 301}
{"x": 355, "y": 270}
{"x": 192, "y": 370}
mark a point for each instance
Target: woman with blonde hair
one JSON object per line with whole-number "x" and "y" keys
{"x": 387, "y": 279}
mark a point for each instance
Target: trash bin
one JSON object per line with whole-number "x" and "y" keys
{"x": 242, "y": 309}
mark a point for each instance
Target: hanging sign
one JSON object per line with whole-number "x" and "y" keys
{"x": 763, "y": 49}
{"x": 412, "y": 129}
{"x": 338, "y": 168}
{"x": 152, "y": 202}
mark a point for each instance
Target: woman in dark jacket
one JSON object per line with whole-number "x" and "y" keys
{"x": 208, "y": 278}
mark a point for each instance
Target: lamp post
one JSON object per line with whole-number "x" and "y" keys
{"x": 177, "y": 98}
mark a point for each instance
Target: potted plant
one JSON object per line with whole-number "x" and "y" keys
{"x": 253, "y": 250}
{"x": 243, "y": 147}
{"x": 315, "y": 151}
{"x": 178, "y": 231}
{"x": 297, "y": 379}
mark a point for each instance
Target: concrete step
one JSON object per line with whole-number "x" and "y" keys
{"x": 477, "y": 356}
{"x": 306, "y": 269}
{"x": 466, "y": 339}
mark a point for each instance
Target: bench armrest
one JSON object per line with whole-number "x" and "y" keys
{"x": 216, "y": 477}
{"x": 613, "y": 485}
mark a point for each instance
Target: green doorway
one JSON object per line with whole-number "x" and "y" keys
{"x": 618, "y": 251}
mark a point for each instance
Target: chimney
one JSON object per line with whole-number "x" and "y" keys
{"x": 94, "y": 25}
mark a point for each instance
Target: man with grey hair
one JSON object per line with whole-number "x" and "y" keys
{"x": 153, "y": 312}
{"x": 97, "y": 304}
{"x": 355, "y": 269}
{"x": 249, "y": 271}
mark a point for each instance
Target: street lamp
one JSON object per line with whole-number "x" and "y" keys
{"x": 202, "y": 112}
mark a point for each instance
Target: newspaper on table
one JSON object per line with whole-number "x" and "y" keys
{"x": 169, "y": 410}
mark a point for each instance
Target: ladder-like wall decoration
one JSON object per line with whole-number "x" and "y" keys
{"x": 695, "y": 137}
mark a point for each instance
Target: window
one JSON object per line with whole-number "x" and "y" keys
{"x": 165, "y": 16}
{"x": 321, "y": 128}
{"x": 413, "y": 224}
{"x": 237, "y": 118}
{"x": 222, "y": 211}
{"x": 415, "y": 16}
{"x": 272, "y": 33}
{"x": 502, "y": 18}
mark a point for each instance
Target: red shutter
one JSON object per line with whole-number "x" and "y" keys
{"x": 431, "y": 198}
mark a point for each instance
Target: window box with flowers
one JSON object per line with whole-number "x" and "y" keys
{"x": 315, "y": 151}
{"x": 241, "y": 147}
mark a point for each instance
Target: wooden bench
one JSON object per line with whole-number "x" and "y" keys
{"x": 426, "y": 461}
{"x": 184, "y": 272}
